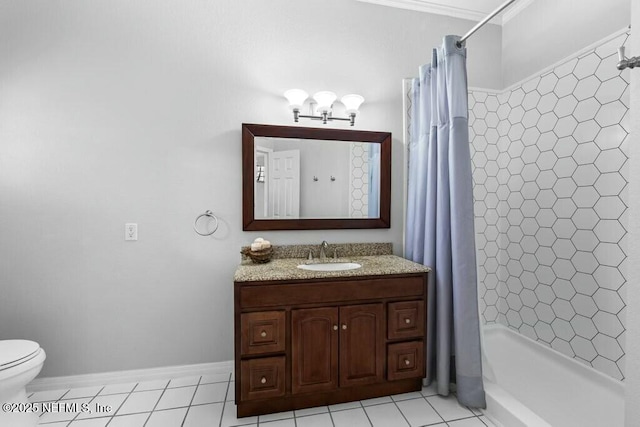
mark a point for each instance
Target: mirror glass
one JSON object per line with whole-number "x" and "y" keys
{"x": 298, "y": 178}
{"x": 309, "y": 178}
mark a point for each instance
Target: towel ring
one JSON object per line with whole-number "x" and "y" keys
{"x": 210, "y": 215}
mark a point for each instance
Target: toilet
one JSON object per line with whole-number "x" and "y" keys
{"x": 20, "y": 363}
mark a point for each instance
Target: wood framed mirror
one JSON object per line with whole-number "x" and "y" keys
{"x": 299, "y": 178}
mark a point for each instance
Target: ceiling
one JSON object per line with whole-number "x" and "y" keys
{"x": 474, "y": 10}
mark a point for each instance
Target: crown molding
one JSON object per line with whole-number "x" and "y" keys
{"x": 457, "y": 12}
{"x": 431, "y": 7}
{"x": 515, "y": 9}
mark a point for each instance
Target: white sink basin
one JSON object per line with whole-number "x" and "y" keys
{"x": 330, "y": 266}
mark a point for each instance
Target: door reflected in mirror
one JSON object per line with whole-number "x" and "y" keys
{"x": 316, "y": 179}
{"x": 297, "y": 178}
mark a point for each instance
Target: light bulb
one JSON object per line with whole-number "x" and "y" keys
{"x": 352, "y": 103}
{"x": 296, "y": 98}
{"x": 324, "y": 99}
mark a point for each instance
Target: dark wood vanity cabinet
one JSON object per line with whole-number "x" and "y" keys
{"x": 362, "y": 343}
{"x": 314, "y": 350}
{"x": 336, "y": 346}
{"x": 324, "y": 341}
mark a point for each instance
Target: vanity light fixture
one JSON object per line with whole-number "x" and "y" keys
{"x": 323, "y": 101}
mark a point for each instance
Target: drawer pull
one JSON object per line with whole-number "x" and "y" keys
{"x": 344, "y": 327}
{"x": 407, "y": 321}
{"x": 407, "y": 362}
{"x": 263, "y": 334}
{"x": 335, "y": 327}
{"x": 263, "y": 380}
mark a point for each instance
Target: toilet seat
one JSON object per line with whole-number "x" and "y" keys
{"x": 16, "y": 352}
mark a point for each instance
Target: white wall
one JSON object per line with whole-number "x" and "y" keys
{"x": 321, "y": 159}
{"x": 324, "y": 198}
{"x": 119, "y": 111}
{"x": 632, "y": 390}
{"x": 550, "y": 30}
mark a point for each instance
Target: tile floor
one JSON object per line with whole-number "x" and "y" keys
{"x": 207, "y": 400}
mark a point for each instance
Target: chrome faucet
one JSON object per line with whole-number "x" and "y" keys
{"x": 323, "y": 247}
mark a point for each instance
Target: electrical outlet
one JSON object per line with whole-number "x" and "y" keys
{"x": 131, "y": 231}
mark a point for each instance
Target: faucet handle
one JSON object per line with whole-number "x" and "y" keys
{"x": 323, "y": 247}
{"x": 621, "y": 53}
{"x": 335, "y": 254}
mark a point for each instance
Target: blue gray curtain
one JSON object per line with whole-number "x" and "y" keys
{"x": 440, "y": 228}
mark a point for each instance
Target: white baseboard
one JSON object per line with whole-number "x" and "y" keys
{"x": 137, "y": 375}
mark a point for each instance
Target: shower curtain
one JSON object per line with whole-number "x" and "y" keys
{"x": 440, "y": 225}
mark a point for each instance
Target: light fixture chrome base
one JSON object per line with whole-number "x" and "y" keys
{"x": 325, "y": 117}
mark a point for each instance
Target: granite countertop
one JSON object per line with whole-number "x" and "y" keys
{"x": 286, "y": 268}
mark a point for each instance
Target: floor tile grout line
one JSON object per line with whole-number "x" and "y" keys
{"x": 391, "y": 401}
{"x": 133, "y": 413}
{"x": 136, "y": 390}
{"x": 191, "y": 401}
{"x": 82, "y": 397}
{"x": 90, "y": 400}
{"x": 125, "y": 400}
{"x": 224, "y": 404}
{"x": 122, "y": 404}
{"x": 158, "y": 401}
{"x": 464, "y": 418}
{"x": 57, "y": 400}
{"x": 182, "y": 386}
{"x": 351, "y": 409}
{"x": 330, "y": 417}
{"x": 310, "y": 415}
{"x": 365, "y": 413}
{"x": 401, "y": 413}
{"x": 434, "y": 408}
{"x": 200, "y": 383}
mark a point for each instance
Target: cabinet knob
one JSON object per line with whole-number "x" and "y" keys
{"x": 407, "y": 320}
{"x": 263, "y": 334}
{"x": 344, "y": 326}
{"x": 407, "y": 362}
{"x": 335, "y": 327}
{"x": 263, "y": 380}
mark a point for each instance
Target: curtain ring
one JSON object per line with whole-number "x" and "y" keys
{"x": 210, "y": 215}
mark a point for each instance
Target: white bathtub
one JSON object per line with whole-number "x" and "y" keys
{"x": 529, "y": 384}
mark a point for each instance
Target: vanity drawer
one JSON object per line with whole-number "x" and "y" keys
{"x": 405, "y": 360}
{"x": 262, "y": 378}
{"x": 405, "y": 320}
{"x": 328, "y": 292}
{"x": 262, "y": 332}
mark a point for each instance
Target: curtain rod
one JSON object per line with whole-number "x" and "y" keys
{"x": 484, "y": 21}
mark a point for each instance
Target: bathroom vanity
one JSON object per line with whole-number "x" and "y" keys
{"x": 308, "y": 338}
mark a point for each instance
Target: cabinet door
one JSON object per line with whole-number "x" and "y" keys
{"x": 405, "y": 320}
{"x": 314, "y": 349}
{"x": 362, "y": 340}
{"x": 262, "y": 332}
{"x": 262, "y": 378}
